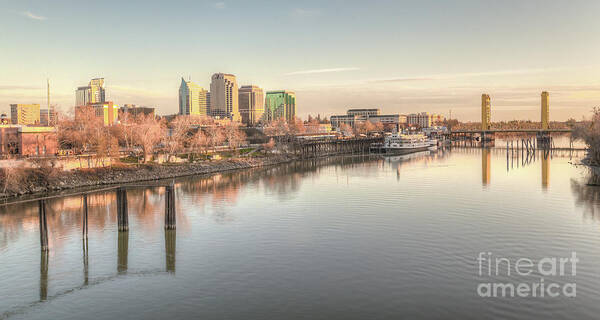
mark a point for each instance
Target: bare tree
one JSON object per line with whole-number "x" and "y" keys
{"x": 200, "y": 141}
{"x": 346, "y": 130}
{"x": 148, "y": 132}
{"x": 277, "y": 128}
{"x": 589, "y": 132}
{"x": 313, "y": 125}
{"x": 297, "y": 126}
{"x": 364, "y": 127}
{"x": 216, "y": 137}
{"x": 269, "y": 146}
{"x": 177, "y": 135}
{"x": 235, "y": 136}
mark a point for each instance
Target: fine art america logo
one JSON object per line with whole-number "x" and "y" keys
{"x": 559, "y": 268}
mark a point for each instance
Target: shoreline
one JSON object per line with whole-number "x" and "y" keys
{"x": 90, "y": 178}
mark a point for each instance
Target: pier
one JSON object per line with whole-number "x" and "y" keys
{"x": 313, "y": 148}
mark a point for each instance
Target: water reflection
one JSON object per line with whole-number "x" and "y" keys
{"x": 486, "y": 163}
{"x": 122, "y": 251}
{"x": 545, "y": 171}
{"x": 44, "y": 275}
{"x": 170, "y": 245}
{"x": 315, "y": 251}
{"x": 587, "y": 195}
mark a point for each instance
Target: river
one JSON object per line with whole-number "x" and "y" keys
{"x": 349, "y": 237}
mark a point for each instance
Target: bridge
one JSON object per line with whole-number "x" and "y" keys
{"x": 487, "y": 133}
{"x": 491, "y": 131}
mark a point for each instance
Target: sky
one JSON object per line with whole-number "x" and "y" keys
{"x": 399, "y": 56}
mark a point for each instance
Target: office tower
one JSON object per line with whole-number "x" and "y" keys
{"x": 26, "y": 114}
{"x": 224, "y": 96}
{"x": 251, "y": 104}
{"x": 280, "y": 104}
{"x": 545, "y": 110}
{"x": 193, "y": 99}
{"x": 97, "y": 94}
{"x": 486, "y": 111}
{"x": 106, "y": 112}
{"x": 93, "y": 93}
{"x": 82, "y": 96}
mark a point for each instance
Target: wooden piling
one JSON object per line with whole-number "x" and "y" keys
{"x": 170, "y": 221}
{"x": 122, "y": 215}
{"x": 43, "y": 225}
{"x": 85, "y": 217}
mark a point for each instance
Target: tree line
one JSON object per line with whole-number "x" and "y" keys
{"x": 145, "y": 135}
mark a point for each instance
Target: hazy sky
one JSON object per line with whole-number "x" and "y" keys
{"x": 400, "y": 56}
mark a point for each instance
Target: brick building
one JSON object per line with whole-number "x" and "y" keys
{"x": 28, "y": 141}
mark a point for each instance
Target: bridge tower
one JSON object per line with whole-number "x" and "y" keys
{"x": 486, "y": 111}
{"x": 545, "y": 110}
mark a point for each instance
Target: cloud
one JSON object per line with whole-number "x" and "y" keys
{"x": 19, "y": 87}
{"x": 220, "y": 5}
{"x": 403, "y": 79}
{"x": 33, "y": 16}
{"x": 322, "y": 71}
{"x": 298, "y": 12}
{"x": 447, "y": 76}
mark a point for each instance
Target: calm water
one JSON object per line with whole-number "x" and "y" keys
{"x": 338, "y": 238}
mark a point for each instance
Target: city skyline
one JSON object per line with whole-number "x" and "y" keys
{"x": 402, "y": 57}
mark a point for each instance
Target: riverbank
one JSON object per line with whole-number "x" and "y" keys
{"x": 40, "y": 182}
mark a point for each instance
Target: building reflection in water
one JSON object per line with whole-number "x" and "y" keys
{"x": 486, "y": 160}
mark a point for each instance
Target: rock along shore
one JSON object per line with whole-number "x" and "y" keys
{"x": 135, "y": 173}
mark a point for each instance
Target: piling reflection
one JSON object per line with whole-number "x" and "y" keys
{"x": 170, "y": 246}
{"x": 86, "y": 275}
{"x": 44, "y": 275}
{"x": 122, "y": 251}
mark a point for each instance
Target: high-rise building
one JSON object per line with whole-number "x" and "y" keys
{"x": 82, "y": 96}
{"x": 26, "y": 114}
{"x": 224, "y": 96}
{"x": 545, "y": 110}
{"x": 193, "y": 99}
{"x": 280, "y": 104}
{"x": 251, "y": 104}
{"x": 486, "y": 112}
{"x": 106, "y": 112}
{"x": 97, "y": 94}
{"x": 93, "y": 93}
